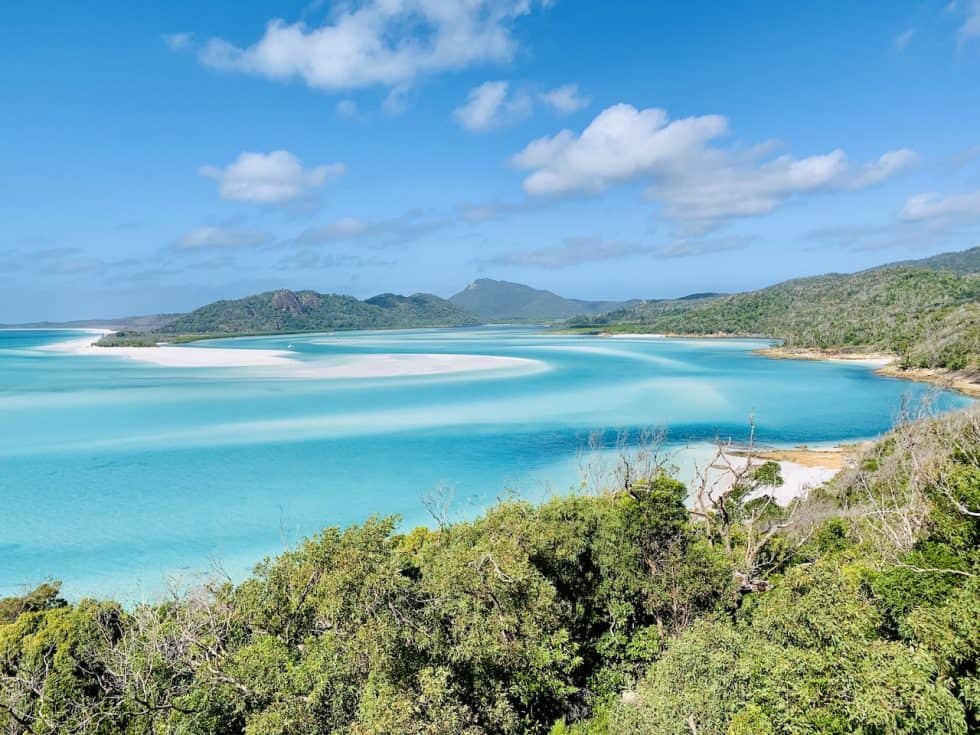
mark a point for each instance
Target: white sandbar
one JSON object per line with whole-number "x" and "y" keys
{"x": 284, "y": 363}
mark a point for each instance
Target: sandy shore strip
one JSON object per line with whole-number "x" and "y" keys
{"x": 283, "y": 363}
{"x": 963, "y": 381}
{"x": 880, "y": 359}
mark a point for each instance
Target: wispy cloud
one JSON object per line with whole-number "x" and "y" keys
{"x": 925, "y": 220}
{"x": 931, "y": 206}
{"x": 571, "y": 252}
{"x": 215, "y": 237}
{"x": 269, "y": 178}
{"x": 497, "y": 104}
{"x": 65, "y": 261}
{"x": 400, "y": 230}
{"x": 492, "y": 105}
{"x": 487, "y": 211}
{"x": 565, "y": 99}
{"x": 693, "y": 247}
{"x": 964, "y": 157}
{"x": 903, "y": 39}
{"x": 309, "y": 259}
{"x": 970, "y": 28}
{"x": 882, "y": 169}
{"x": 178, "y": 41}
{"x": 346, "y": 108}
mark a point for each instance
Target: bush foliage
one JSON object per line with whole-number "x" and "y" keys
{"x": 620, "y": 612}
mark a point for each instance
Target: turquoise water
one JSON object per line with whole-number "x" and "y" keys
{"x": 116, "y": 475}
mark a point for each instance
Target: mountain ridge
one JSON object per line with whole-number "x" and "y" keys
{"x": 489, "y": 298}
{"x": 283, "y": 311}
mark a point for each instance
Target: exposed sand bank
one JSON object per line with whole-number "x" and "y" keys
{"x": 283, "y": 363}
{"x": 830, "y": 458}
{"x": 801, "y": 353}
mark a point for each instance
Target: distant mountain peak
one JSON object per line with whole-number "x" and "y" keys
{"x": 492, "y": 299}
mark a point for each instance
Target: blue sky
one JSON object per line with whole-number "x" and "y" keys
{"x": 159, "y": 156}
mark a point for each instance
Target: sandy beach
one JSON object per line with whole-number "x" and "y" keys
{"x": 283, "y": 363}
{"x": 802, "y": 469}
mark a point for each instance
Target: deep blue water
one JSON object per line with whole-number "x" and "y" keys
{"x": 115, "y": 474}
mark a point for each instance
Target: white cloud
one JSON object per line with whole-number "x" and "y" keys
{"x": 620, "y": 143}
{"x": 488, "y": 106}
{"x": 902, "y": 39}
{"x": 178, "y": 41}
{"x": 934, "y": 206}
{"x": 210, "y": 237}
{"x": 378, "y": 42}
{"x": 715, "y": 188}
{"x": 884, "y": 168}
{"x": 565, "y": 99}
{"x": 269, "y": 178}
{"x": 695, "y": 181}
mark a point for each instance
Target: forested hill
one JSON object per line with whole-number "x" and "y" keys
{"x": 503, "y": 300}
{"x": 308, "y": 311}
{"x": 964, "y": 261}
{"x": 927, "y": 313}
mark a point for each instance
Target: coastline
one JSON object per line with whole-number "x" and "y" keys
{"x": 284, "y": 364}
{"x": 802, "y": 468}
{"x": 886, "y": 365}
{"x": 960, "y": 381}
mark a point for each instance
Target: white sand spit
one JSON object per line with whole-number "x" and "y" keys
{"x": 283, "y": 363}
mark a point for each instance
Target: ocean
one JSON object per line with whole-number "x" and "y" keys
{"x": 120, "y": 477}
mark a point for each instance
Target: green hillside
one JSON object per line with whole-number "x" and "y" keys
{"x": 964, "y": 261}
{"x": 304, "y": 311}
{"x": 618, "y": 613}
{"x": 930, "y": 318}
{"x": 502, "y": 301}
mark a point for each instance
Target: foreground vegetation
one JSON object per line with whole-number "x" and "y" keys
{"x": 928, "y": 318}
{"x": 620, "y": 612}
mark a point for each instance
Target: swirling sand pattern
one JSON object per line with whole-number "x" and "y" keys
{"x": 119, "y": 472}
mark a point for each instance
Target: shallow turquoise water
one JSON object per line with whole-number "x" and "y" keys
{"x": 115, "y": 475}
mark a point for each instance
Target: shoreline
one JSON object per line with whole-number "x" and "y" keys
{"x": 802, "y": 468}
{"x": 962, "y": 382}
{"x": 284, "y": 364}
{"x": 885, "y": 363}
